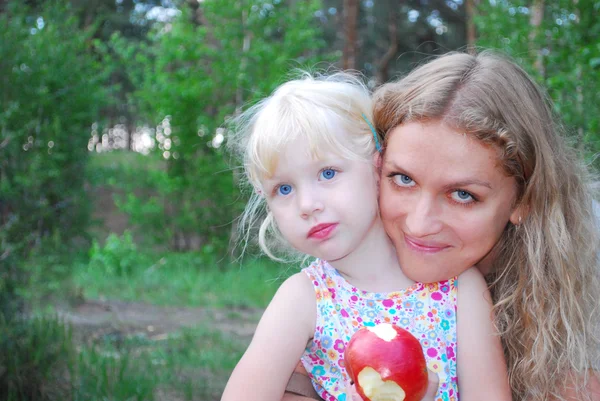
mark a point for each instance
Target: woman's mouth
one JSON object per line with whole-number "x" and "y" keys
{"x": 424, "y": 246}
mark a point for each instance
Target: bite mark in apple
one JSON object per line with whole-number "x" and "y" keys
{"x": 377, "y": 389}
{"x": 385, "y": 331}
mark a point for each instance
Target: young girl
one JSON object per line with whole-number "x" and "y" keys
{"x": 310, "y": 155}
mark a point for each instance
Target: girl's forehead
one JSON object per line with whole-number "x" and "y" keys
{"x": 295, "y": 158}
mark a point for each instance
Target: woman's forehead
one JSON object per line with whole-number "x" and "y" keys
{"x": 441, "y": 152}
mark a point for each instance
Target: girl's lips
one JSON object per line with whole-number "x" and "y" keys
{"x": 424, "y": 246}
{"x": 321, "y": 231}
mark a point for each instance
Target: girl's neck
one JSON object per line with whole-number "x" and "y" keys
{"x": 373, "y": 266}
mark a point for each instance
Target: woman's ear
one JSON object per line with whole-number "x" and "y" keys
{"x": 519, "y": 214}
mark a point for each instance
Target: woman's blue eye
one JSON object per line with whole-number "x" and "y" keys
{"x": 328, "y": 173}
{"x": 403, "y": 180}
{"x": 462, "y": 196}
{"x": 284, "y": 189}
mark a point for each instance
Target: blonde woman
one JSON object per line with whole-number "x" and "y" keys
{"x": 450, "y": 129}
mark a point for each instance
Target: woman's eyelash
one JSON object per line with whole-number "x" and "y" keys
{"x": 474, "y": 199}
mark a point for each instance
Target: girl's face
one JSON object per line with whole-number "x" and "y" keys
{"x": 324, "y": 207}
{"x": 444, "y": 199}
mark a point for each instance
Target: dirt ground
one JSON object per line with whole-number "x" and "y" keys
{"x": 94, "y": 318}
{"x": 94, "y": 321}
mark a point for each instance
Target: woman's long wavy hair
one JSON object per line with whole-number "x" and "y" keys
{"x": 545, "y": 273}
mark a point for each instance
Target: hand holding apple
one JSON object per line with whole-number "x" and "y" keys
{"x": 386, "y": 363}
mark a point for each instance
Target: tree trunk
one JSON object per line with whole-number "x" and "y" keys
{"x": 579, "y": 89}
{"x": 197, "y": 17}
{"x": 239, "y": 103}
{"x": 384, "y": 63}
{"x": 470, "y": 23}
{"x": 535, "y": 20}
{"x": 350, "y": 23}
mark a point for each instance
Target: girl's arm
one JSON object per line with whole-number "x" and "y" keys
{"x": 482, "y": 372}
{"x": 280, "y": 338}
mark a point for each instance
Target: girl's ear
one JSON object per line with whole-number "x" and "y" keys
{"x": 259, "y": 192}
{"x": 377, "y": 160}
{"x": 377, "y": 170}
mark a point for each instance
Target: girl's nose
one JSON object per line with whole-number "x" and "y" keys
{"x": 309, "y": 202}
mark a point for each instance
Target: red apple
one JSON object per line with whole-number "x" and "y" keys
{"x": 386, "y": 363}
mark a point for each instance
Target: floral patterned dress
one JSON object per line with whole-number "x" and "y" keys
{"x": 428, "y": 311}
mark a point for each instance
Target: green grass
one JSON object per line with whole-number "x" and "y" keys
{"x": 187, "y": 364}
{"x": 188, "y": 279}
{"x": 190, "y": 365}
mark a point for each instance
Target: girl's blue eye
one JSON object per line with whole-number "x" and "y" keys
{"x": 462, "y": 196}
{"x": 328, "y": 173}
{"x": 284, "y": 189}
{"x": 403, "y": 180}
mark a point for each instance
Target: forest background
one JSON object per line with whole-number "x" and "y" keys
{"x": 118, "y": 274}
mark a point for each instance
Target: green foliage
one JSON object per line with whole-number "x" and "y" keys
{"x": 563, "y": 53}
{"x": 194, "y": 74}
{"x": 53, "y": 88}
{"x": 118, "y": 256}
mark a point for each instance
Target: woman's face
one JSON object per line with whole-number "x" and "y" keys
{"x": 445, "y": 199}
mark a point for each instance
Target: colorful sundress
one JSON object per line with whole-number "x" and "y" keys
{"x": 428, "y": 311}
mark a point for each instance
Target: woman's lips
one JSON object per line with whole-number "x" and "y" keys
{"x": 321, "y": 231}
{"x": 424, "y": 246}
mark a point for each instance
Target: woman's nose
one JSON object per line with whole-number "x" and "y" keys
{"x": 423, "y": 217}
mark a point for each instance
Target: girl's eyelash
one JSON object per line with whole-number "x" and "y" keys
{"x": 275, "y": 190}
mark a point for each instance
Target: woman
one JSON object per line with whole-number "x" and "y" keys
{"x": 451, "y": 129}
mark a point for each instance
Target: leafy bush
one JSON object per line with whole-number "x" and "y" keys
{"x": 53, "y": 89}
{"x": 117, "y": 257}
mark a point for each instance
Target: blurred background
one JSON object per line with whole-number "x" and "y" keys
{"x": 119, "y": 278}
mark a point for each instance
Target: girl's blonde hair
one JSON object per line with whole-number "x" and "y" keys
{"x": 545, "y": 280}
{"x": 328, "y": 112}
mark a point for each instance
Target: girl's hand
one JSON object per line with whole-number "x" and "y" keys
{"x": 432, "y": 387}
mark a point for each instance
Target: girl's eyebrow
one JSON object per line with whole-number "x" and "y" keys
{"x": 463, "y": 183}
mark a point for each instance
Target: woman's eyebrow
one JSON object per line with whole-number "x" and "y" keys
{"x": 457, "y": 184}
{"x": 466, "y": 183}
